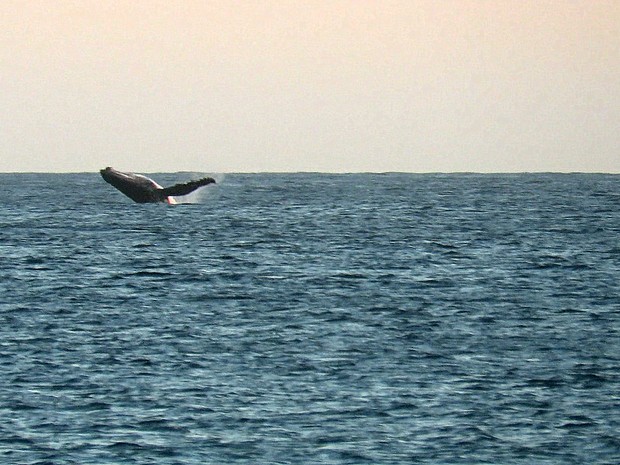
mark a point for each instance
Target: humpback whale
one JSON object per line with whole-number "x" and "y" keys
{"x": 141, "y": 189}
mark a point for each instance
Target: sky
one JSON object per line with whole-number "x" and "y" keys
{"x": 227, "y": 86}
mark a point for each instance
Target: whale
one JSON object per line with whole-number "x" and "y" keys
{"x": 141, "y": 189}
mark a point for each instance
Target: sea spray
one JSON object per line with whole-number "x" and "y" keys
{"x": 200, "y": 195}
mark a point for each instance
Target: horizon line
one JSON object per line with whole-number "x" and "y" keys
{"x": 329, "y": 172}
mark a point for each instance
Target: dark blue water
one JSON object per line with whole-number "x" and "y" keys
{"x": 306, "y": 319}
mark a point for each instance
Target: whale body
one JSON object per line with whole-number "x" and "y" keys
{"x": 141, "y": 189}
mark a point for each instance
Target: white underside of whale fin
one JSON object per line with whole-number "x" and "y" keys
{"x": 171, "y": 200}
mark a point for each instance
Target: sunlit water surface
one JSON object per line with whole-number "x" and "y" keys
{"x": 312, "y": 319}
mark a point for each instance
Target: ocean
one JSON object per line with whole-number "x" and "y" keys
{"x": 312, "y": 319}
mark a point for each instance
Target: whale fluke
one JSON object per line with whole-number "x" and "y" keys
{"x": 141, "y": 189}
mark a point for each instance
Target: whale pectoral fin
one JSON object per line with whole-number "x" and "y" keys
{"x": 187, "y": 187}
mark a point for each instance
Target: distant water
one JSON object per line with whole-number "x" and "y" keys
{"x": 312, "y": 319}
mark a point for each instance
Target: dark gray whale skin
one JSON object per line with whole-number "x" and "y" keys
{"x": 141, "y": 189}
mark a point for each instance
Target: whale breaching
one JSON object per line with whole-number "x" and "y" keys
{"x": 144, "y": 190}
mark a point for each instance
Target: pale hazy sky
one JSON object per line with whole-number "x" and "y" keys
{"x": 287, "y": 85}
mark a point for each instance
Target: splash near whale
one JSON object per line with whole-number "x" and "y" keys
{"x": 141, "y": 189}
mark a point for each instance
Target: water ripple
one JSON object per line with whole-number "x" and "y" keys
{"x": 384, "y": 319}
